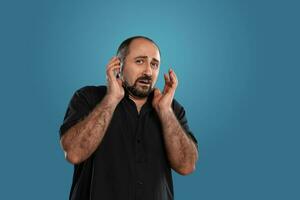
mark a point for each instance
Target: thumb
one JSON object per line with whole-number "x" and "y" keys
{"x": 120, "y": 81}
{"x": 156, "y": 92}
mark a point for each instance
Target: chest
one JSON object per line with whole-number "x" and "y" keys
{"x": 133, "y": 136}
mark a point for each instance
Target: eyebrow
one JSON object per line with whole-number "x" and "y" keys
{"x": 146, "y": 57}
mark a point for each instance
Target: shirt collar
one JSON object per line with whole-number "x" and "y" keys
{"x": 148, "y": 104}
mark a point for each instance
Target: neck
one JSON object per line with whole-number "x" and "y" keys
{"x": 139, "y": 102}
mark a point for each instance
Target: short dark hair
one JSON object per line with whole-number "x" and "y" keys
{"x": 123, "y": 49}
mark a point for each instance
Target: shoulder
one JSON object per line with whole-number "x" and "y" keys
{"x": 92, "y": 90}
{"x": 180, "y": 113}
{"x": 178, "y": 108}
{"x": 91, "y": 94}
{"x": 176, "y": 104}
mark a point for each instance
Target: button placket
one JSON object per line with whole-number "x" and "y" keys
{"x": 140, "y": 159}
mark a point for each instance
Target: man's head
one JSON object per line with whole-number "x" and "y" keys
{"x": 140, "y": 62}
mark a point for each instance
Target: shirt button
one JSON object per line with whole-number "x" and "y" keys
{"x": 140, "y": 182}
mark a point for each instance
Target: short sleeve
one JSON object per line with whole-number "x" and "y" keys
{"x": 181, "y": 116}
{"x": 77, "y": 109}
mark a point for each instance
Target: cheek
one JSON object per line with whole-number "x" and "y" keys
{"x": 156, "y": 74}
{"x": 155, "y": 77}
{"x": 129, "y": 76}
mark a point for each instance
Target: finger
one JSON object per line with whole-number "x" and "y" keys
{"x": 156, "y": 97}
{"x": 167, "y": 79}
{"x": 112, "y": 58}
{"x": 120, "y": 82}
{"x": 110, "y": 72}
{"x": 112, "y": 66}
{"x": 114, "y": 62}
{"x": 157, "y": 94}
{"x": 173, "y": 76}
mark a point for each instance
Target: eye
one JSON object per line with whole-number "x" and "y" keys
{"x": 139, "y": 61}
{"x": 155, "y": 65}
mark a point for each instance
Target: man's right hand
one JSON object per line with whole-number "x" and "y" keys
{"x": 115, "y": 91}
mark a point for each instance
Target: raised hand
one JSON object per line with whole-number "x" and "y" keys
{"x": 163, "y": 101}
{"x": 114, "y": 85}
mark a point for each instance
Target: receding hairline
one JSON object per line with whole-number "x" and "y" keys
{"x": 146, "y": 39}
{"x": 129, "y": 46}
{"x": 124, "y": 47}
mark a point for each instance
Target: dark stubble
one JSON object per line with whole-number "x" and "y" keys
{"x": 138, "y": 90}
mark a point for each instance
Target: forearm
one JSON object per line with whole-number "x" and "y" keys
{"x": 82, "y": 139}
{"x": 181, "y": 150}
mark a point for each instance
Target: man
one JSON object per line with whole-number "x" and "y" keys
{"x": 124, "y": 139}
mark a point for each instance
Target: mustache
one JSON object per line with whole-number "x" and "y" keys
{"x": 145, "y": 78}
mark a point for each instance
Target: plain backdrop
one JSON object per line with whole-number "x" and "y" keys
{"x": 238, "y": 68}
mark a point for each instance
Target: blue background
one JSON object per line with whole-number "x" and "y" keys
{"x": 238, "y": 69}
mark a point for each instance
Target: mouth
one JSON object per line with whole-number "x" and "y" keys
{"x": 144, "y": 82}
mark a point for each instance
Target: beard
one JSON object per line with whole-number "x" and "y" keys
{"x": 138, "y": 89}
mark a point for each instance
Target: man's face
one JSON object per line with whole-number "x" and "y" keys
{"x": 141, "y": 68}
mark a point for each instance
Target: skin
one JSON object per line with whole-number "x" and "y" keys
{"x": 81, "y": 140}
{"x": 143, "y": 59}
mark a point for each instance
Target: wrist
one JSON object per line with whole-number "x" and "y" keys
{"x": 164, "y": 111}
{"x": 112, "y": 100}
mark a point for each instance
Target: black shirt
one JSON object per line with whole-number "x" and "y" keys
{"x": 131, "y": 162}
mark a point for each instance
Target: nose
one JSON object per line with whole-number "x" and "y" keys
{"x": 148, "y": 69}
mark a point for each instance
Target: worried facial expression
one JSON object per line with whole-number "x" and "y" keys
{"x": 141, "y": 68}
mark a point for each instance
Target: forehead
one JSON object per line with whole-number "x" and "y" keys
{"x": 143, "y": 47}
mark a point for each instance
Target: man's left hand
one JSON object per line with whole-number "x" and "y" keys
{"x": 162, "y": 101}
